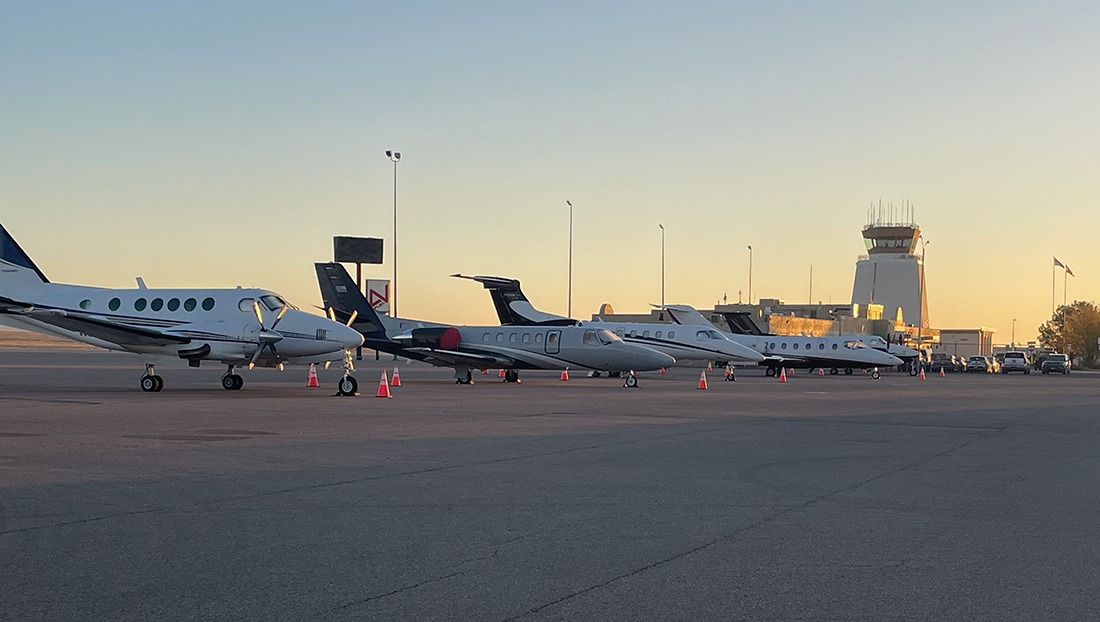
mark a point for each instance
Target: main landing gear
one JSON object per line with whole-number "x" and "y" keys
{"x": 511, "y": 375}
{"x": 231, "y": 381}
{"x": 151, "y": 382}
{"x": 463, "y": 375}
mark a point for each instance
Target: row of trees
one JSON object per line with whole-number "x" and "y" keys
{"x": 1074, "y": 329}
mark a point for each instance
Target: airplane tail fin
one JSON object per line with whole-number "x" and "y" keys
{"x": 512, "y": 306}
{"x": 741, "y": 323}
{"x": 339, "y": 293}
{"x": 18, "y": 273}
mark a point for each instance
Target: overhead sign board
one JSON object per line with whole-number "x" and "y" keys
{"x": 357, "y": 250}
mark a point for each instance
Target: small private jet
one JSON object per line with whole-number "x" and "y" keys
{"x": 834, "y": 352}
{"x": 224, "y": 326}
{"x": 697, "y": 344}
{"x": 464, "y": 348}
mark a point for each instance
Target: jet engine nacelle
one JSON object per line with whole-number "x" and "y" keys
{"x": 443, "y": 338}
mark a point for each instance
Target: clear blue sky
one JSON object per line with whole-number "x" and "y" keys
{"x": 222, "y": 143}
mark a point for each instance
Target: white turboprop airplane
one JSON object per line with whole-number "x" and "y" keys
{"x": 225, "y": 326}
{"x": 512, "y": 348}
{"x": 834, "y": 353}
{"x": 697, "y": 343}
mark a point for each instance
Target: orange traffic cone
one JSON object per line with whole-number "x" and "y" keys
{"x": 941, "y": 373}
{"x": 662, "y": 370}
{"x": 501, "y": 374}
{"x": 703, "y": 380}
{"x": 383, "y": 386}
{"x": 782, "y": 374}
{"x": 485, "y": 371}
{"x": 312, "y": 382}
{"x": 565, "y": 374}
{"x": 709, "y": 368}
{"x": 820, "y": 371}
{"x": 396, "y": 382}
{"x": 922, "y": 373}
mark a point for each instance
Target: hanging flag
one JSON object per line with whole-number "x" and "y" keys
{"x": 1069, "y": 272}
{"x": 1058, "y": 263}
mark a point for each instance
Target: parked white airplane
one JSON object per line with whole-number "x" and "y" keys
{"x": 834, "y": 353}
{"x": 483, "y": 347}
{"x": 701, "y": 344}
{"x": 225, "y": 326}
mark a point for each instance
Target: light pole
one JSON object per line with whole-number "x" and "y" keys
{"x": 395, "y": 157}
{"x": 920, "y": 298}
{"x": 662, "y": 264}
{"x": 750, "y": 274}
{"x": 569, "y": 299}
{"x": 1013, "y": 333}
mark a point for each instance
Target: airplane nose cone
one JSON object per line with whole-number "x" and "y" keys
{"x": 893, "y": 360}
{"x": 349, "y": 337}
{"x": 661, "y": 360}
{"x": 740, "y": 352}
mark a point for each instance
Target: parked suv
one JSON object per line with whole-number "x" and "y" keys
{"x": 979, "y": 365}
{"x": 1015, "y": 361}
{"x": 946, "y": 362}
{"x": 1056, "y": 363}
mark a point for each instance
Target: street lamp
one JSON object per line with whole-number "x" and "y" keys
{"x": 920, "y": 297}
{"x": 1014, "y": 333}
{"x": 395, "y": 157}
{"x": 750, "y": 274}
{"x": 569, "y": 300}
{"x": 662, "y": 264}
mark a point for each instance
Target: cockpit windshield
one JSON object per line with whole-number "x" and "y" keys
{"x": 853, "y": 345}
{"x": 876, "y": 342}
{"x": 709, "y": 334}
{"x": 274, "y": 303}
{"x": 607, "y": 337}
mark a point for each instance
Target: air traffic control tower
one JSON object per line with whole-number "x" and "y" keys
{"x": 891, "y": 273}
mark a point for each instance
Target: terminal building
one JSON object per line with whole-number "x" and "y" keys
{"x": 889, "y": 298}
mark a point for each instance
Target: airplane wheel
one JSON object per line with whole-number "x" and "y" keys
{"x": 467, "y": 379}
{"x": 149, "y": 384}
{"x": 875, "y": 375}
{"x": 834, "y": 371}
{"x": 348, "y": 385}
{"x": 631, "y": 381}
{"x": 511, "y": 375}
{"x": 769, "y": 371}
{"x": 848, "y": 371}
{"x": 232, "y": 382}
{"x": 160, "y": 384}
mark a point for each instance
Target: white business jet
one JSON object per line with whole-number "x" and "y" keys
{"x": 512, "y": 348}
{"x": 233, "y": 327}
{"x": 834, "y": 353}
{"x": 697, "y": 343}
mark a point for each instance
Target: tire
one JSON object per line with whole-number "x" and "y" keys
{"x": 348, "y": 385}
{"x": 769, "y": 372}
{"x": 834, "y": 371}
{"x": 149, "y": 384}
{"x": 875, "y": 375}
{"x": 631, "y": 382}
{"x": 848, "y": 371}
{"x": 160, "y": 384}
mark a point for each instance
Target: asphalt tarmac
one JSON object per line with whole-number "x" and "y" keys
{"x": 824, "y": 498}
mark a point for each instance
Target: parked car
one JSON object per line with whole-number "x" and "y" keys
{"x": 979, "y": 365}
{"x": 946, "y": 362}
{"x": 1016, "y": 361}
{"x": 1056, "y": 363}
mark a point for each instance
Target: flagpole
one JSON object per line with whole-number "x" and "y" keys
{"x": 1053, "y": 276}
{"x": 1065, "y": 279}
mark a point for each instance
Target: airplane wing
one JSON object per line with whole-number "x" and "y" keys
{"x": 100, "y": 328}
{"x": 450, "y": 358}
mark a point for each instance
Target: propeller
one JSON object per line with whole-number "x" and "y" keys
{"x": 349, "y": 366}
{"x": 267, "y": 337}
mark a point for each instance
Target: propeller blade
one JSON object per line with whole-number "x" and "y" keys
{"x": 354, "y": 314}
{"x": 256, "y": 355}
{"x": 259, "y": 316}
{"x": 278, "y": 317}
{"x": 327, "y": 363}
